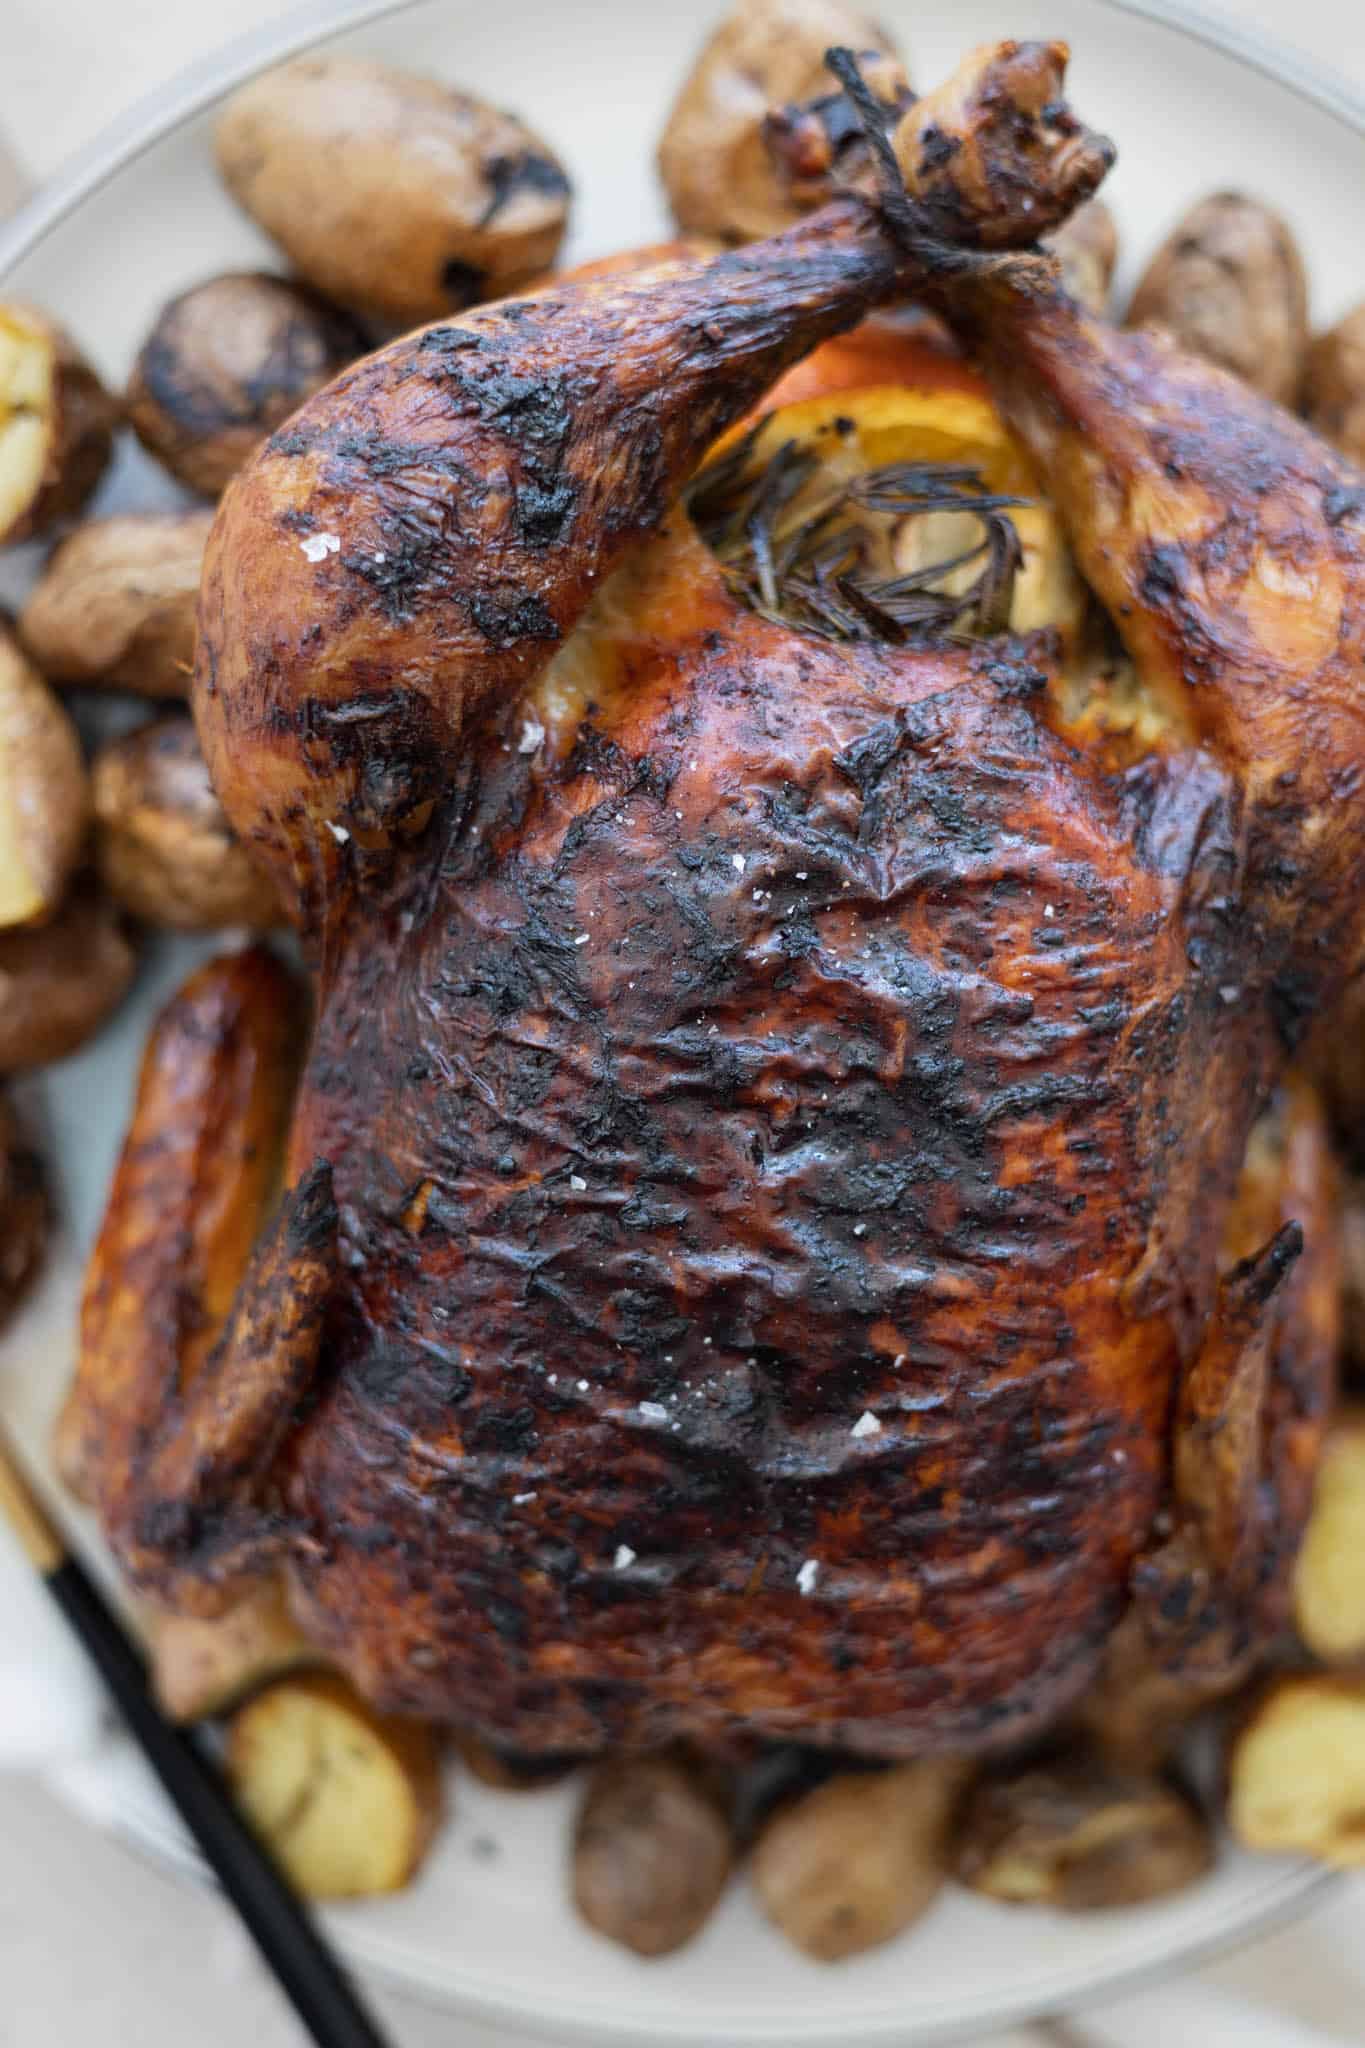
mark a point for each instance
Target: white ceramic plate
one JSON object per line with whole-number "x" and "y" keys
{"x": 487, "y": 1928}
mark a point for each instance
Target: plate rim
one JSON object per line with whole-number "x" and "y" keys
{"x": 140, "y": 127}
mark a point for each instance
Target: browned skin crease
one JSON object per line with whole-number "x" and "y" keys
{"x": 826, "y": 1030}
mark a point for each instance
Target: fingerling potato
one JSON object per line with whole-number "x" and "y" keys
{"x": 56, "y": 424}
{"x": 116, "y": 602}
{"x": 59, "y": 981}
{"x": 652, "y": 1852}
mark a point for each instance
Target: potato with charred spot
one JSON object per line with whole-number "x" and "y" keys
{"x": 1228, "y": 283}
{"x": 714, "y": 160}
{"x": 225, "y": 364}
{"x": 163, "y": 845}
{"x": 1079, "y": 1834}
{"x": 115, "y": 603}
{"x": 390, "y": 192}
{"x": 56, "y": 424}
{"x": 44, "y": 794}
{"x": 59, "y": 981}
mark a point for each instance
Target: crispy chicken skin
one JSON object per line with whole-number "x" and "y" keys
{"x": 813, "y": 1030}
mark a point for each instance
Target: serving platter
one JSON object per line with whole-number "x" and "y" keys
{"x": 487, "y": 1928}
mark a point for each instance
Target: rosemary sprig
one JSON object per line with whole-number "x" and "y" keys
{"x": 818, "y": 571}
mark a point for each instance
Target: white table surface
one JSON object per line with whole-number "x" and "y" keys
{"x": 96, "y": 1947}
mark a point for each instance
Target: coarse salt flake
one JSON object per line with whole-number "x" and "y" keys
{"x": 577, "y": 1183}
{"x": 582, "y": 938}
{"x": 531, "y": 737}
{"x": 1048, "y": 910}
{"x": 866, "y": 1425}
{"x": 737, "y": 863}
{"x": 582, "y": 1386}
{"x": 519, "y": 1500}
{"x": 319, "y": 545}
{"x": 654, "y": 1411}
{"x": 808, "y": 1574}
{"x": 624, "y": 1557}
{"x": 338, "y": 832}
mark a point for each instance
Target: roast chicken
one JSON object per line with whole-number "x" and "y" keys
{"x": 755, "y": 1252}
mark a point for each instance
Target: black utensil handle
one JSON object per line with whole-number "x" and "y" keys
{"x": 278, "y": 1923}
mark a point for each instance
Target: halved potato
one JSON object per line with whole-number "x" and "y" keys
{"x": 346, "y": 1799}
{"x": 44, "y": 797}
{"x": 1329, "y": 1579}
{"x": 56, "y": 424}
{"x": 1296, "y": 1775}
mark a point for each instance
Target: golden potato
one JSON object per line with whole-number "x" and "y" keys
{"x": 163, "y": 845}
{"x": 1296, "y": 1774}
{"x": 1087, "y": 247}
{"x": 203, "y": 1666}
{"x": 44, "y": 794}
{"x": 1329, "y": 1579}
{"x": 1334, "y": 384}
{"x": 1229, "y": 284}
{"x": 25, "y": 1215}
{"x": 116, "y": 603}
{"x": 850, "y": 1865}
{"x": 507, "y": 1772}
{"x": 56, "y": 424}
{"x": 59, "y": 981}
{"x": 652, "y": 1852}
{"x": 767, "y": 54}
{"x": 1079, "y": 1834}
{"x": 390, "y": 192}
{"x": 225, "y": 364}
{"x": 346, "y": 1799}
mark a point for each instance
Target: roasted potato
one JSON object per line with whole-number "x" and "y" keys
{"x": 59, "y": 981}
{"x": 1229, "y": 284}
{"x": 1296, "y": 1772}
{"x": 195, "y": 1181}
{"x": 116, "y": 603}
{"x": 713, "y": 157}
{"x": 505, "y": 1771}
{"x": 853, "y": 1863}
{"x": 24, "y": 1212}
{"x": 1079, "y": 1834}
{"x": 652, "y": 1851}
{"x": 44, "y": 793}
{"x": 390, "y": 192}
{"x": 203, "y": 1666}
{"x": 225, "y": 364}
{"x": 163, "y": 846}
{"x": 1087, "y": 247}
{"x": 346, "y": 1799}
{"x": 1334, "y": 384}
{"x": 1329, "y": 1579}
{"x": 56, "y": 424}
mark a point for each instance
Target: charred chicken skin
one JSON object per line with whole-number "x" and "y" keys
{"x": 751, "y": 1261}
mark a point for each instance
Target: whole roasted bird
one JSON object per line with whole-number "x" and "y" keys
{"x": 751, "y": 1261}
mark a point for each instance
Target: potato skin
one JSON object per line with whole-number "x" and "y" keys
{"x": 25, "y": 1212}
{"x": 1296, "y": 1770}
{"x": 652, "y": 1852}
{"x": 713, "y": 158}
{"x": 59, "y": 981}
{"x": 1078, "y": 1834}
{"x": 203, "y": 1666}
{"x": 850, "y": 1865}
{"x": 1334, "y": 384}
{"x": 505, "y": 1771}
{"x": 78, "y": 418}
{"x": 389, "y": 192}
{"x": 225, "y": 364}
{"x": 44, "y": 792}
{"x": 1229, "y": 284}
{"x": 163, "y": 845}
{"x": 116, "y": 603}
{"x": 1329, "y": 1579}
{"x": 1087, "y": 247}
